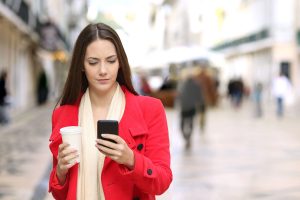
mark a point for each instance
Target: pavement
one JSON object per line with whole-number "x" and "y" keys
{"x": 236, "y": 157}
{"x": 24, "y": 154}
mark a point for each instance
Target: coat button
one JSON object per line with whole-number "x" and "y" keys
{"x": 140, "y": 147}
{"x": 149, "y": 171}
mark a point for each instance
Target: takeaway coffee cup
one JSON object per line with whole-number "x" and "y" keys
{"x": 72, "y": 136}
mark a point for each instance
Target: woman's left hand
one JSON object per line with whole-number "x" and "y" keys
{"x": 119, "y": 151}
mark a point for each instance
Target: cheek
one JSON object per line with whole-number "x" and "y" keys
{"x": 116, "y": 70}
{"x": 89, "y": 74}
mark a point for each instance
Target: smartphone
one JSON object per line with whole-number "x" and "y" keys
{"x": 108, "y": 127}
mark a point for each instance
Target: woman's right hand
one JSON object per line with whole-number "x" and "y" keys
{"x": 67, "y": 158}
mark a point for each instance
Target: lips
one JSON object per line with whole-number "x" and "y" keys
{"x": 102, "y": 81}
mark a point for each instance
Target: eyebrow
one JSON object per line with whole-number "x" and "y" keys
{"x": 94, "y": 58}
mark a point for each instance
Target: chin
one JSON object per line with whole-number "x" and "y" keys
{"x": 103, "y": 88}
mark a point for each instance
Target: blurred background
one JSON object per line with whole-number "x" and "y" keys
{"x": 245, "y": 141}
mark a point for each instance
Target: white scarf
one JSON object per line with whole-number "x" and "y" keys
{"x": 89, "y": 186}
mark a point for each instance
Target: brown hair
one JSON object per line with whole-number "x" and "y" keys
{"x": 77, "y": 83}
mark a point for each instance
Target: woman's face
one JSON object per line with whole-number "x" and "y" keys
{"x": 101, "y": 66}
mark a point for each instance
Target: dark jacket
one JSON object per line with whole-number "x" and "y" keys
{"x": 190, "y": 95}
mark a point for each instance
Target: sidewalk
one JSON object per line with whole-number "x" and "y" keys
{"x": 24, "y": 154}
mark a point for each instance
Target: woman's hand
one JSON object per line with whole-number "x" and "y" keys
{"x": 119, "y": 151}
{"x": 67, "y": 157}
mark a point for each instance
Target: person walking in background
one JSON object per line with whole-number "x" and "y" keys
{"x": 230, "y": 90}
{"x": 236, "y": 91}
{"x": 209, "y": 94}
{"x": 281, "y": 88}
{"x": 145, "y": 87}
{"x": 42, "y": 90}
{"x": 98, "y": 86}
{"x": 4, "y": 118}
{"x": 208, "y": 86}
{"x": 190, "y": 97}
{"x": 257, "y": 98}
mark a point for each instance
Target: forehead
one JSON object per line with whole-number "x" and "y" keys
{"x": 100, "y": 48}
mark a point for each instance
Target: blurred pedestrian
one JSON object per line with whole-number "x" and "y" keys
{"x": 145, "y": 87}
{"x": 42, "y": 90}
{"x": 230, "y": 90}
{"x": 281, "y": 88}
{"x": 208, "y": 86}
{"x": 236, "y": 91}
{"x": 209, "y": 94}
{"x": 4, "y": 117}
{"x": 98, "y": 87}
{"x": 190, "y": 98}
{"x": 257, "y": 98}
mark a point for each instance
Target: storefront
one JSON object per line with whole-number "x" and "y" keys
{"x": 24, "y": 55}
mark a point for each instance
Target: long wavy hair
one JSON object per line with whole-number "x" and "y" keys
{"x": 76, "y": 83}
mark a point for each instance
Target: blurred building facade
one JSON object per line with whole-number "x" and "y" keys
{"x": 35, "y": 38}
{"x": 183, "y": 23}
{"x": 177, "y": 31}
{"x": 260, "y": 38}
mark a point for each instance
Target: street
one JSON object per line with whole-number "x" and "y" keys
{"x": 237, "y": 156}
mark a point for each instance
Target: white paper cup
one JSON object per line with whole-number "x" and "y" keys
{"x": 72, "y": 136}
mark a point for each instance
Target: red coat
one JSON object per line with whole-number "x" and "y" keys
{"x": 144, "y": 128}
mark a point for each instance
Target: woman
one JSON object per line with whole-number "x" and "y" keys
{"x": 99, "y": 87}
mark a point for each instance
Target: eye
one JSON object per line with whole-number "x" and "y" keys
{"x": 111, "y": 61}
{"x": 93, "y": 62}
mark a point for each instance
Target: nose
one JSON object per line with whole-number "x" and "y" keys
{"x": 102, "y": 69}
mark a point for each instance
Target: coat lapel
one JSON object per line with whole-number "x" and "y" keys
{"x": 132, "y": 123}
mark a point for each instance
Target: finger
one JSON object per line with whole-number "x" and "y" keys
{"x": 68, "y": 151}
{"x": 118, "y": 147}
{"x": 70, "y": 158}
{"x": 107, "y": 143}
{"x": 68, "y": 166}
{"x": 62, "y": 146}
{"x": 113, "y": 137}
{"x": 108, "y": 151}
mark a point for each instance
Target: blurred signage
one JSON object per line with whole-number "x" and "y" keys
{"x": 60, "y": 56}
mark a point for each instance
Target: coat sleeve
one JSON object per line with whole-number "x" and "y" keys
{"x": 58, "y": 191}
{"x": 152, "y": 173}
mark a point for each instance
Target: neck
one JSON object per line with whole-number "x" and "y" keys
{"x": 102, "y": 99}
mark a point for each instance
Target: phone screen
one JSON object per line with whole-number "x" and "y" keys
{"x": 107, "y": 127}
